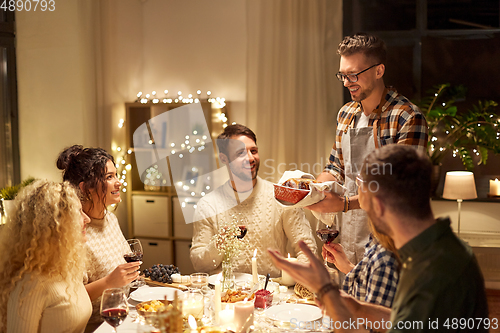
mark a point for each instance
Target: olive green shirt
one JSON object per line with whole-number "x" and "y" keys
{"x": 440, "y": 283}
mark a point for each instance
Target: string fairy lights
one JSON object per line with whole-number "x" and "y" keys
{"x": 154, "y": 177}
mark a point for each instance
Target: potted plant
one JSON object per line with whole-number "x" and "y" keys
{"x": 7, "y": 195}
{"x": 464, "y": 133}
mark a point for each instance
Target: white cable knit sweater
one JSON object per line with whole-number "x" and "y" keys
{"x": 269, "y": 226}
{"x": 106, "y": 247}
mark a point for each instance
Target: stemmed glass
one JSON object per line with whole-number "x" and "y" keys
{"x": 134, "y": 253}
{"x": 114, "y": 306}
{"x": 327, "y": 236}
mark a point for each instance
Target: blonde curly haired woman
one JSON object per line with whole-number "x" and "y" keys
{"x": 43, "y": 261}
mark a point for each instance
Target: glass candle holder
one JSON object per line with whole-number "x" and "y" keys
{"x": 198, "y": 280}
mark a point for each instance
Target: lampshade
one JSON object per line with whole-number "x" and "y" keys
{"x": 459, "y": 185}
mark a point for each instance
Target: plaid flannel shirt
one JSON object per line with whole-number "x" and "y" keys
{"x": 399, "y": 121}
{"x": 375, "y": 278}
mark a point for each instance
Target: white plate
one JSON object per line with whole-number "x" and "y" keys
{"x": 237, "y": 277}
{"x": 298, "y": 312}
{"x": 151, "y": 293}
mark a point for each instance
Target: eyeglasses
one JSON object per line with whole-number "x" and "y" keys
{"x": 352, "y": 77}
{"x": 360, "y": 181}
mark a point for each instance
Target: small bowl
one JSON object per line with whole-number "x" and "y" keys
{"x": 142, "y": 304}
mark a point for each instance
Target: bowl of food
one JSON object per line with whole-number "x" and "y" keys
{"x": 148, "y": 307}
{"x": 293, "y": 190}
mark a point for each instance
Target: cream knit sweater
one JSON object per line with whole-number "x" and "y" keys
{"x": 106, "y": 247}
{"x": 268, "y": 225}
{"x": 48, "y": 306}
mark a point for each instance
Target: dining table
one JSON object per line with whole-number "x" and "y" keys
{"x": 287, "y": 312}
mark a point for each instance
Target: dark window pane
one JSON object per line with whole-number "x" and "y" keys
{"x": 399, "y": 69}
{"x": 462, "y": 14}
{"x": 470, "y": 62}
{"x": 382, "y": 15}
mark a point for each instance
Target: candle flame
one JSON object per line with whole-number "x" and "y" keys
{"x": 255, "y": 253}
{"x": 219, "y": 277}
{"x": 496, "y": 179}
{"x": 288, "y": 255}
{"x": 192, "y": 322}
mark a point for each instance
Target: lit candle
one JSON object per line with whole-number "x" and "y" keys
{"x": 286, "y": 279}
{"x": 243, "y": 315}
{"x": 255, "y": 274}
{"x": 217, "y": 297}
{"x": 495, "y": 187}
{"x": 226, "y": 316}
{"x": 192, "y": 324}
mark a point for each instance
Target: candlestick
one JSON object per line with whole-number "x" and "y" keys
{"x": 494, "y": 187}
{"x": 286, "y": 279}
{"x": 217, "y": 298}
{"x": 255, "y": 275}
{"x": 243, "y": 315}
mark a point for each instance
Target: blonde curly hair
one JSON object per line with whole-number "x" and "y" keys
{"x": 44, "y": 238}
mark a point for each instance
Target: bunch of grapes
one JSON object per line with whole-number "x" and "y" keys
{"x": 161, "y": 273}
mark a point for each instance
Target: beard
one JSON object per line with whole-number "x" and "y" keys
{"x": 245, "y": 175}
{"x": 378, "y": 224}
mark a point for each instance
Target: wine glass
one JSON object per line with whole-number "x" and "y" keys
{"x": 114, "y": 306}
{"x": 243, "y": 230}
{"x": 134, "y": 253}
{"x": 327, "y": 236}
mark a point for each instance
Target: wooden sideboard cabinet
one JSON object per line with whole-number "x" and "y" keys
{"x": 154, "y": 212}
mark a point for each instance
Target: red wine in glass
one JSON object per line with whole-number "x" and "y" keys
{"x": 114, "y": 306}
{"x": 327, "y": 235}
{"x": 114, "y": 317}
{"x": 133, "y": 256}
{"x": 243, "y": 230}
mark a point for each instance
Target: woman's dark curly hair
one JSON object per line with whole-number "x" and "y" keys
{"x": 87, "y": 165}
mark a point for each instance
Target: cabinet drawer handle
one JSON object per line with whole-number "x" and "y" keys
{"x": 150, "y": 201}
{"x": 153, "y": 244}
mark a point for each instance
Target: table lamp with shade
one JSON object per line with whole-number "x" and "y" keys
{"x": 459, "y": 185}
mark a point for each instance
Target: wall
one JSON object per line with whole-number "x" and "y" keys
{"x": 79, "y": 64}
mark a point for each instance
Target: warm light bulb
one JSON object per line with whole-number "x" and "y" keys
{"x": 198, "y": 92}
{"x": 179, "y": 93}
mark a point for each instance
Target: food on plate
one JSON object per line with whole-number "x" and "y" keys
{"x": 299, "y": 183}
{"x": 161, "y": 273}
{"x": 263, "y": 299}
{"x": 152, "y": 306}
{"x": 233, "y": 296}
{"x": 303, "y": 292}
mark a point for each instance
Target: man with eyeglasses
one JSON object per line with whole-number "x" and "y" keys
{"x": 376, "y": 116}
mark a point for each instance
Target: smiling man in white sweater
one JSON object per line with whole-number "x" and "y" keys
{"x": 268, "y": 225}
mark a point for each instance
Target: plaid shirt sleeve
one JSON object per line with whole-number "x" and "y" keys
{"x": 382, "y": 283}
{"x": 336, "y": 164}
{"x": 374, "y": 279}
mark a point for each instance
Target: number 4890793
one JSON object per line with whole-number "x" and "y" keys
{"x": 28, "y": 5}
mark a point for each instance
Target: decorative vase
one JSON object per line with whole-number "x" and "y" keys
{"x": 227, "y": 275}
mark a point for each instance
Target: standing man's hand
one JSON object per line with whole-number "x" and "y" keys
{"x": 332, "y": 201}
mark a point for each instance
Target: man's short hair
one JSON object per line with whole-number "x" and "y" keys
{"x": 229, "y": 132}
{"x": 401, "y": 177}
{"x": 371, "y": 46}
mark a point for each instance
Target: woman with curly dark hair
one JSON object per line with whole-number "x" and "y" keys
{"x": 93, "y": 173}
